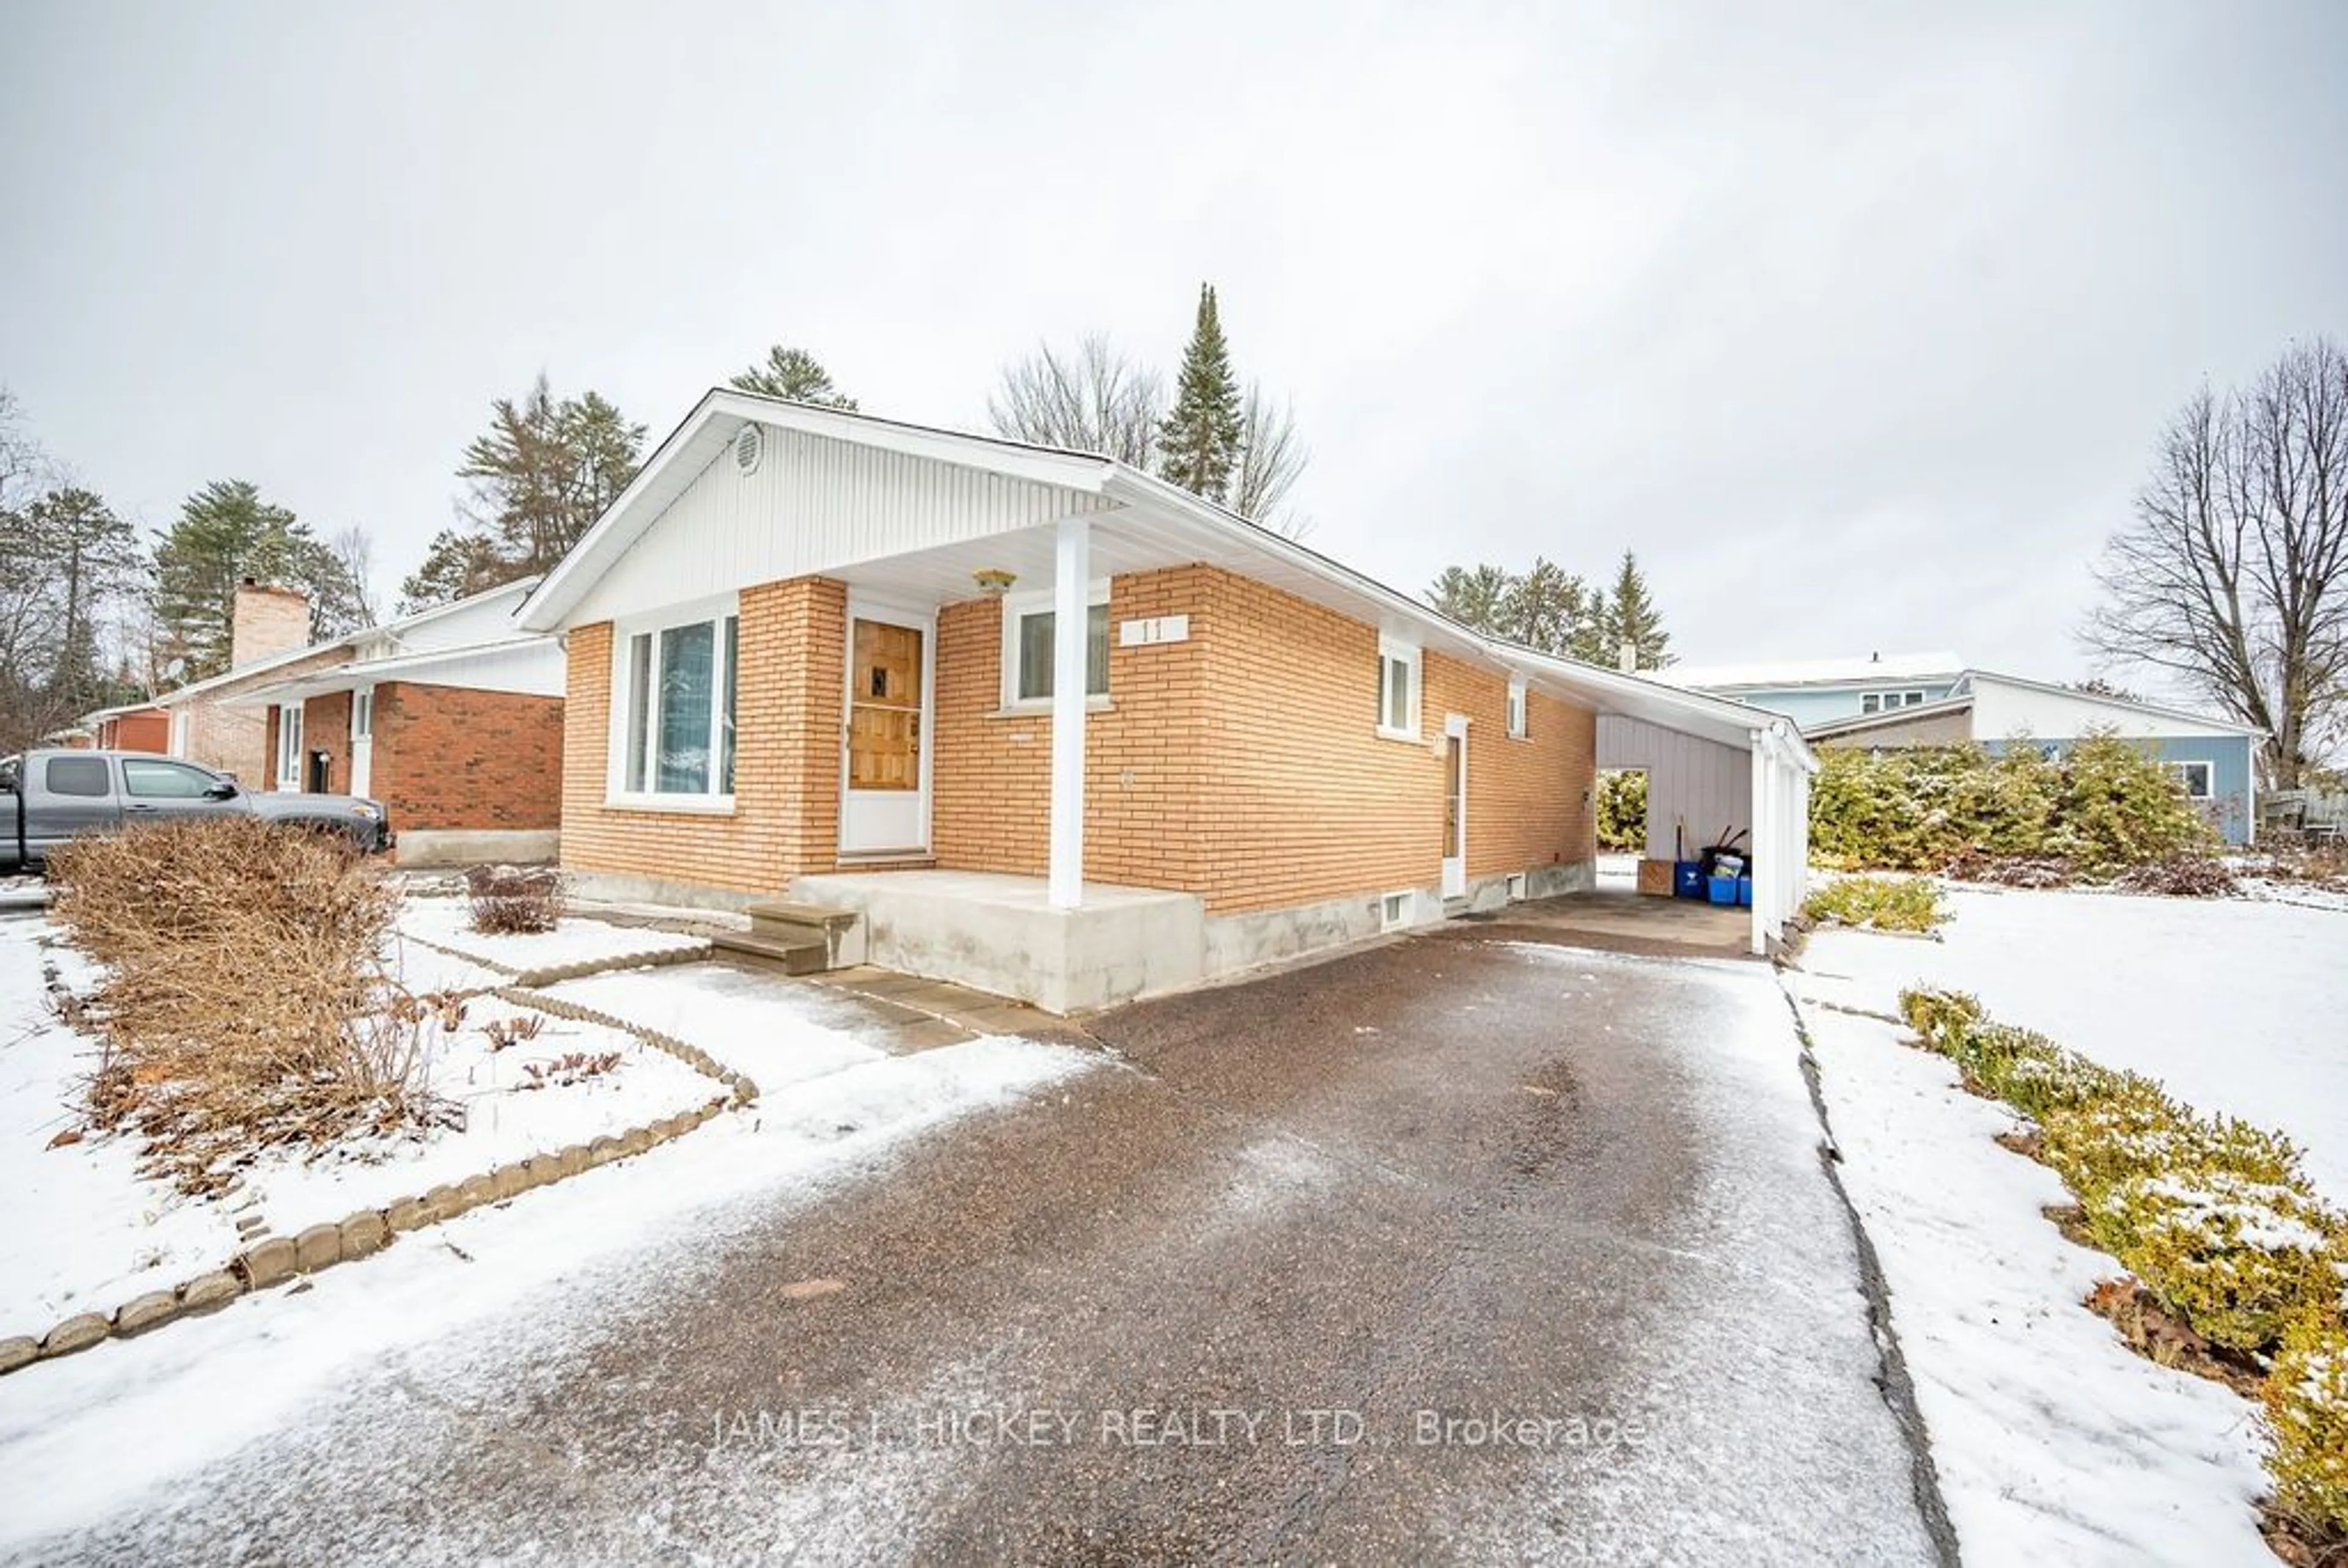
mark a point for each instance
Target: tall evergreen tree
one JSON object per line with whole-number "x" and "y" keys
{"x": 1631, "y": 618}
{"x": 1199, "y": 442}
{"x": 540, "y": 478}
{"x": 1473, "y": 596}
{"x": 226, "y": 533}
{"x": 796, "y": 374}
{"x": 93, "y": 558}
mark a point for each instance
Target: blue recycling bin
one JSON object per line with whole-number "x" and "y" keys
{"x": 1687, "y": 878}
{"x": 1723, "y": 889}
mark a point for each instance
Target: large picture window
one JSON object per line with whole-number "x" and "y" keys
{"x": 678, "y": 732}
{"x": 1030, "y": 636}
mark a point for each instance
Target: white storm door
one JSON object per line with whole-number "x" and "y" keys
{"x": 884, "y": 799}
{"x": 1455, "y": 805}
{"x": 362, "y": 740}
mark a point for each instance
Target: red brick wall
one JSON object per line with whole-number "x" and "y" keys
{"x": 455, "y": 758}
{"x": 787, "y": 697}
{"x": 327, "y": 727}
{"x": 149, "y": 730}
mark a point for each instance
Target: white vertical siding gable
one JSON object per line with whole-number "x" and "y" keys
{"x": 814, "y": 504}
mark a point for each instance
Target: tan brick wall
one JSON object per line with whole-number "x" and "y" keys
{"x": 455, "y": 758}
{"x": 1242, "y": 765}
{"x": 991, "y": 805}
{"x": 1245, "y": 764}
{"x": 266, "y": 620}
{"x": 787, "y": 696}
{"x": 242, "y": 741}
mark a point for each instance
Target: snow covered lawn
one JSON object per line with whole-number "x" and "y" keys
{"x": 2054, "y": 1441}
{"x": 2237, "y": 1006}
{"x": 777, "y": 1032}
{"x": 550, "y": 1276}
{"x": 85, "y": 1232}
{"x": 449, "y": 923}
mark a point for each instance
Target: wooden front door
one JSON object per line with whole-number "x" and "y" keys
{"x": 885, "y": 804}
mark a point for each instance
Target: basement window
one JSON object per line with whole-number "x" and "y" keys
{"x": 1394, "y": 910}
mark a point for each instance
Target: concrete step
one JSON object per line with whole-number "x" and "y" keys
{"x": 782, "y": 912}
{"x": 840, "y": 933}
{"x": 800, "y": 956}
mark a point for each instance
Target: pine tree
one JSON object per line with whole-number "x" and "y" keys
{"x": 1633, "y": 618}
{"x": 796, "y": 374}
{"x": 1199, "y": 443}
{"x": 226, "y": 533}
{"x": 540, "y": 476}
{"x": 92, "y": 557}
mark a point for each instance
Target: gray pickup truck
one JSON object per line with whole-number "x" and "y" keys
{"x": 48, "y": 797}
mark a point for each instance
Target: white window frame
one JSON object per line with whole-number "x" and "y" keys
{"x": 712, "y": 613}
{"x": 1016, "y": 607}
{"x": 2183, "y": 768}
{"x": 1890, "y": 701}
{"x": 363, "y": 714}
{"x": 289, "y": 748}
{"x": 1519, "y": 710}
{"x": 1396, "y": 653}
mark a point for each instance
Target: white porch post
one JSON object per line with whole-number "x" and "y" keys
{"x": 1071, "y": 613}
{"x": 1764, "y": 867}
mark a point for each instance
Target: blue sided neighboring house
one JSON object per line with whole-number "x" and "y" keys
{"x": 1932, "y": 700}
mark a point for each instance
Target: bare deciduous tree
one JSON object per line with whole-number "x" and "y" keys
{"x": 355, "y": 547}
{"x": 1271, "y": 459}
{"x": 1095, "y": 399}
{"x": 2233, "y": 575}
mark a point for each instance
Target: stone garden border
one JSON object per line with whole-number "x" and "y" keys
{"x": 274, "y": 1260}
{"x": 580, "y": 969}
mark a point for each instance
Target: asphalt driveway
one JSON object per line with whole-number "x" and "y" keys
{"x": 1456, "y": 1249}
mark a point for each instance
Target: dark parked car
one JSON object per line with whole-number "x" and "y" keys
{"x": 48, "y": 797}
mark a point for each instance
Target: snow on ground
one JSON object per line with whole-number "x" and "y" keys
{"x": 2237, "y": 1006}
{"x": 776, "y": 1033}
{"x": 85, "y": 1232}
{"x": 449, "y": 922}
{"x": 533, "y": 1281}
{"x": 2054, "y": 1441}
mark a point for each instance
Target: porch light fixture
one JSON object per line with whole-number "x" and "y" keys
{"x": 993, "y": 581}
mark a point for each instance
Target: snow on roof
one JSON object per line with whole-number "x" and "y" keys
{"x": 1818, "y": 671}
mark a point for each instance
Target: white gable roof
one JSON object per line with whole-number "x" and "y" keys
{"x": 2007, "y": 705}
{"x": 1766, "y": 677}
{"x": 848, "y": 489}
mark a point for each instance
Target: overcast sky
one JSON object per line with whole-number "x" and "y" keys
{"x": 1857, "y": 325}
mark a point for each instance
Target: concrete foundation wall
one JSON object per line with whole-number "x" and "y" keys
{"x": 477, "y": 847}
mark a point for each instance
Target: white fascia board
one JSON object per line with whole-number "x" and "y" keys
{"x": 710, "y": 425}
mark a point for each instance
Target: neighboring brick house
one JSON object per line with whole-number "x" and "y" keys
{"x": 135, "y": 727}
{"x": 816, "y": 651}
{"x": 451, "y": 717}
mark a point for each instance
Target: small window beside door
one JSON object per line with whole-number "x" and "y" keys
{"x": 363, "y": 714}
{"x": 289, "y": 746}
{"x": 1398, "y": 668}
{"x": 1030, "y": 642}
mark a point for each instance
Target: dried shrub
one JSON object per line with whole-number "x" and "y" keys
{"x": 244, "y": 1004}
{"x": 1879, "y": 903}
{"x": 2306, "y": 1401}
{"x": 2181, "y": 876}
{"x": 502, "y": 1032}
{"x": 507, "y": 900}
{"x": 572, "y": 1067}
{"x": 2011, "y": 870}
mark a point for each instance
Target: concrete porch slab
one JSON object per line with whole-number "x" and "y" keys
{"x": 1000, "y": 933}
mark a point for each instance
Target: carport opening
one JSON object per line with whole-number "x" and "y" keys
{"x": 1623, "y": 811}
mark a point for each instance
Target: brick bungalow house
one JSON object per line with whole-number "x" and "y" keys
{"x": 815, "y": 653}
{"x": 451, "y": 717}
{"x": 133, "y": 727}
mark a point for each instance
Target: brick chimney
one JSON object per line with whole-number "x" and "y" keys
{"x": 268, "y": 620}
